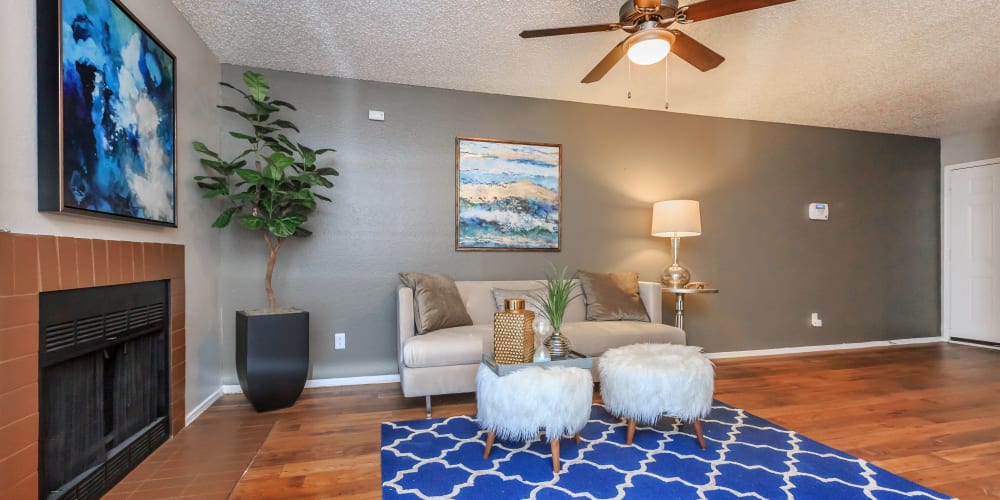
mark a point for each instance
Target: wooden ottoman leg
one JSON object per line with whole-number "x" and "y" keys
{"x": 489, "y": 444}
{"x": 576, "y": 437}
{"x": 555, "y": 456}
{"x": 631, "y": 431}
{"x": 697, "y": 431}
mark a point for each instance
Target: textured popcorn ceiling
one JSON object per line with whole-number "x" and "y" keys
{"x": 917, "y": 67}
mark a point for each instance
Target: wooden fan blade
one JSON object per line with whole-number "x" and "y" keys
{"x": 708, "y": 9}
{"x": 694, "y": 52}
{"x": 606, "y": 64}
{"x": 572, "y": 30}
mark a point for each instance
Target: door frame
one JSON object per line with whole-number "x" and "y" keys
{"x": 946, "y": 171}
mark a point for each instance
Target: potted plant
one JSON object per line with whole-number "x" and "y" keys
{"x": 552, "y": 303}
{"x": 270, "y": 188}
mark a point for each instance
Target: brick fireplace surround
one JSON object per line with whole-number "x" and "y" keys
{"x": 30, "y": 264}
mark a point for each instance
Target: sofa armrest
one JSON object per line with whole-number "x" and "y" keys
{"x": 652, "y": 297}
{"x": 404, "y": 316}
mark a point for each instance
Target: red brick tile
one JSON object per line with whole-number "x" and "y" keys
{"x": 6, "y": 264}
{"x": 174, "y": 257}
{"x": 18, "y": 372}
{"x": 101, "y": 263}
{"x": 19, "y": 464}
{"x": 18, "y": 310}
{"x": 20, "y": 433}
{"x": 67, "y": 263}
{"x": 18, "y": 404}
{"x": 177, "y": 339}
{"x": 138, "y": 262}
{"x": 115, "y": 262}
{"x": 48, "y": 263}
{"x": 128, "y": 262}
{"x": 25, "y": 264}
{"x": 26, "y": 488}
{"x": 19, "y": 341}
{"x": 176, "y": 354}
{"x": 155, "y": 269}
{"x": 177, "y": 320}
{"x": 85, "y": 263}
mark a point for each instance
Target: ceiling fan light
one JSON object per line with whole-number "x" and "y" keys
{"x": 648, "y": 47}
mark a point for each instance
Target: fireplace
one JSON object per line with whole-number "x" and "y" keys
{"x": 103, "y": 385}
{"x": 35, "y": 264}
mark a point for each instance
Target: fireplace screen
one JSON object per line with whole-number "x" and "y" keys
{"x": 104, "y": 388}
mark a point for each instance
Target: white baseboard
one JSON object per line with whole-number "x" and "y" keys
{"x": 394, "y": 378}
{"x": 819, "y": 348}
{"x": 331, "y": 382}
{"x": 973, "y": 344}
{"x": 204, "y": 405}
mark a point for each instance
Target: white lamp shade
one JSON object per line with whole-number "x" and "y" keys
{"x": 676, "y": 218}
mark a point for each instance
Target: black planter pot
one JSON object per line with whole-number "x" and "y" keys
{"x": 272, "y": 357}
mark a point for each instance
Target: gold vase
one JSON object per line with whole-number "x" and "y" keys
{"x": 513, "y": 335}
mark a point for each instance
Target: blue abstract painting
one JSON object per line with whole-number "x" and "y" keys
{"x": 508, "y": 195}
{"x": 118, "y": 93}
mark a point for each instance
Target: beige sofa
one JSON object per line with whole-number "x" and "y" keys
{"x": 445, "y": 361}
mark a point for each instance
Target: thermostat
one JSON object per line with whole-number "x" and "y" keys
{"x": 819, "y": 211}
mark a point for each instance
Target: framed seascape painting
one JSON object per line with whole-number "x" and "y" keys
{"x": 106, "y": 114}
{"x": 508, "y": 195}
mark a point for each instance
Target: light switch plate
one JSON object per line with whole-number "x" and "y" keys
{"x": 378, "y": 116}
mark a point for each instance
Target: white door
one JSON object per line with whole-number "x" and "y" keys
{"x": 974, "y": 260}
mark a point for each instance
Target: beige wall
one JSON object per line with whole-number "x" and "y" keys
{"x": 197, "y": 93}
{"x": 871, "y": 271}
{"x": 972, "y": 146}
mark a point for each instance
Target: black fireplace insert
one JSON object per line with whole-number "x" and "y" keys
{"x": 104, "y": 388}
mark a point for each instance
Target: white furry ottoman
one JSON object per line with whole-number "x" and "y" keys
{"x": 641, "y": 382}
{"x": 516, "y": 406}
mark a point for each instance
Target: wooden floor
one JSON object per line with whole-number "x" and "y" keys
{"x": 930, "y": 413}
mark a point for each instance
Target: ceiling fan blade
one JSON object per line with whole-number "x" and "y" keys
{"x": 606, "y": 64}
{"x": 572, "y": 30}
{"x": 708, "y": 9}
{"x": 694, "y": 52}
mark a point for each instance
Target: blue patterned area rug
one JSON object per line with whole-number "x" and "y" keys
{"x": 747, "y": 457}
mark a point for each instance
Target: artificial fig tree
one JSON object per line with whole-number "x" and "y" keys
{"x": 271, "y": 186}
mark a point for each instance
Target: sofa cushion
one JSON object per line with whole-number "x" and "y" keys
{"x": 530, "y": 303}
{"x": 436, "y": 301}
{"x": 594, "y": 337}
{"x": 612, "y": 296}
{"x": 478, "y": 297}
{"x": 450, "y": 346}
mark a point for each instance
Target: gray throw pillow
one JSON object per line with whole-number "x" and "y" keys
{"x": 436, "y": 302}
{"x": 530, "y": 298}
{"x": 612, "y": 296}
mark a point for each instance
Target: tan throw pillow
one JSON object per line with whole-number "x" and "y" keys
{"x": 436, "y": 302}
{"x": 530, "y": 298}
{"x": 612, "y": 296}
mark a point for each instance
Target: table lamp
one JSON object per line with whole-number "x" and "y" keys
{"x": 676, "y": 219}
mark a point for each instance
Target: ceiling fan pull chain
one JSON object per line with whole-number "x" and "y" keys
{"x": 666, "y": 82}
{"x": 629, "y": 64}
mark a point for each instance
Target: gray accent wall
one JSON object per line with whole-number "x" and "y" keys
{"x": 871, "y": 271}
{"x": 972, "y": 146}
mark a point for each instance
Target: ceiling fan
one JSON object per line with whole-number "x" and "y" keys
{"x": 651, "y": 38}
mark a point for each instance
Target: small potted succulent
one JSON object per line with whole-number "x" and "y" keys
{"x": 269, "y": 188}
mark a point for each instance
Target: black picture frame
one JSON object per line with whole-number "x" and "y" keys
{"x": 107, "y": 114}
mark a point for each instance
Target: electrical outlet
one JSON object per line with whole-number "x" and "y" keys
{"x": 340, "y": 341}
{"x": 815, "y": 321}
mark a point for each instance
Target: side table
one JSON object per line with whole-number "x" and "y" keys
{"x": 679, "y": 304}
